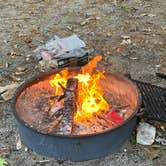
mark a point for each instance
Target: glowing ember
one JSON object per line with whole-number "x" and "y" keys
{"x": 90, "y": 95}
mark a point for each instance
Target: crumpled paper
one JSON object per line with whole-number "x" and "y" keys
{"x": 57, "y": 46}
{"x": 145, "y": 133}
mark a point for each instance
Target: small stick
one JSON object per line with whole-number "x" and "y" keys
{"x": 63, "y": 88}
{"x": 58, "y": 97}
{"x": 121, "y": 106}
{"x": 107, "y": 120}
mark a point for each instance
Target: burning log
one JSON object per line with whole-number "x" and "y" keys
{"x": 70, "y": 105}
{"x": 56, "y": 109}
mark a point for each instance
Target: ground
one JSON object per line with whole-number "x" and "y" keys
{"x": 26, "y": 24}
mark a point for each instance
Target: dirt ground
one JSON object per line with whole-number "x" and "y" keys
{"x": 26, "y": 24}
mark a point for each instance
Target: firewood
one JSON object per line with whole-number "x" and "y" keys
{"x": 108, "y": 122}
{"x": 101, "y": 122}
{"x": 56, "y": 109}
{"x": 54, "y": 124}
{"x": 58, "y": 97}
{"x": 70, "y": 106}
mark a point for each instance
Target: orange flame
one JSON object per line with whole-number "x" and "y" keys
{"x": 90, "y": 95}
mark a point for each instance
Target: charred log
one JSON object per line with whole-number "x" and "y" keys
{"x": 70, "y": 105}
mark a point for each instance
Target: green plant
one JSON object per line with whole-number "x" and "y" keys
{"x": 3, "y": 162}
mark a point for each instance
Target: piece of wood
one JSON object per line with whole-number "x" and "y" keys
{"x": 70, "y": 106}
{"x": 56, "y": 109}
{"x": 54, "y": 124}
{"x": 109, "y": 122}
{"x": 101, "y": 122}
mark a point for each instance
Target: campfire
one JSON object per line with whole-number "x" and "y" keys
{"x": 76, "y": 113}
{"x": 75, "y": 102}
{"x": 88, "y": 95}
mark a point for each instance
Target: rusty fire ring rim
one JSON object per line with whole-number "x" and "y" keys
{"x": 37, "y": 77}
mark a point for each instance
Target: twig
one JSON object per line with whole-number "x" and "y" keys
{"x": 121, "y": 106}
{"x": 63, "y": 88}
{"x": 107, "y": 120}
{"x": 6, "y": 19}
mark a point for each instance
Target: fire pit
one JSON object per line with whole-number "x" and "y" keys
{"x": 77, "y": 113}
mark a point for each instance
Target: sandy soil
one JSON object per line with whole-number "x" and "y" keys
{"x": 26, "y": 24}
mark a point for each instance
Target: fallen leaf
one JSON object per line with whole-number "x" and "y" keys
{"x": 163, "y": 27}
{"x": 147, "y": 30}
{"x": 126, "y": 42}
{"x": 1, "y": 66}
{"x": 84, "y": 23}
{"x": 109, "y": 53}
{"x": 34, "y": 30}
{"x": 118, "y": 49}
{"x": 114, "y": 2}
{"x": 21, "y": 69}
{"x": 97, "y": 18}
{"x": 108, "y": 34}
{"x": 152, "y": 153}
{"x": 70, "y": 28}
{"x": 151, "y": 15}
{"x": 133, "y": 58}
{"x": 19, "y": 73}
{"x": 125, "y": 37}
{"x": 15, "y": 78}
{"x": 143, "y": 14}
